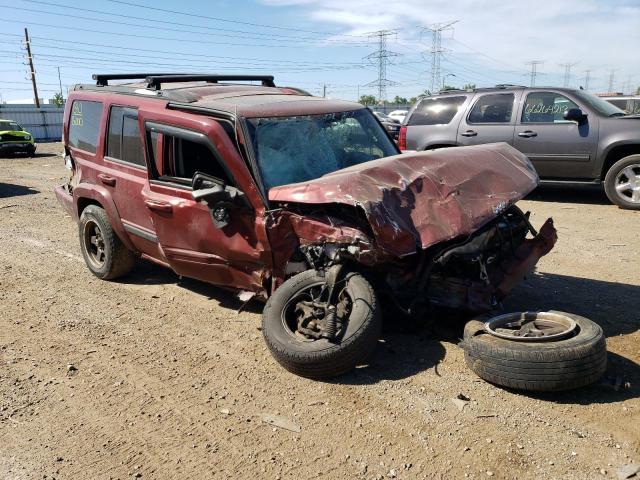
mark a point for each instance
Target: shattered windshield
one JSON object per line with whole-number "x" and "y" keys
{"x": 301, "y": 148}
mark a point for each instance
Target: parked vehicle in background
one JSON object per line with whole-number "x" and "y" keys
{"x": 398, "y": 115}
{"x": 390, "y": 125}
{"x": 302, "y": 201}
{"x": 15, "y": 139}
{"x": 629, "y": 103}
{"x": 569, "y": 135}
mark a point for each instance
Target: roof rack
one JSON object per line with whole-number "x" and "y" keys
{"x": 508, "y": 85}
{"x": 102, "y": 80}
{"x": 155, "y": 81}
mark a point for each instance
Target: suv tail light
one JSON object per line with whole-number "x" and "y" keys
{"x": 402, "y": 138}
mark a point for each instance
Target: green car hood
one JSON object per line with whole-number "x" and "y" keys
{"x": 16, "y": 133}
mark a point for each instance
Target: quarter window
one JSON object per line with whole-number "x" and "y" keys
{"x": 124, "y": 141}
{"x": 546, "y": 107}
{"x": 436, "y": 111}
{"x": 494, "y": 108}
{"x": 84, "y": 125}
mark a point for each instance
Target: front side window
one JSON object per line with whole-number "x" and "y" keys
{"x": 436, "y": 111}
{"x": 546, "y": 107}
{"x": 84, "y": 125}
{"x": 301, "y": 148}
{"x": 182, "y": 158}
{"x": 123, "y": 141}
{"x": 492, "y": 108}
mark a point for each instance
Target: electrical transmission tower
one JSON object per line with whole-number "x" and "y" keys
{"x": 611, "y": 78}
{"x": 567, "y": 72}
{"x": 534, "y": 70}
{"x": 587, "y": 77}
{"x": 437, "y": 51}
{"x": 381, "y": 57}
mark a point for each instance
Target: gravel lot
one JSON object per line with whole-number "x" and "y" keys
{"x": 155, "y": 378}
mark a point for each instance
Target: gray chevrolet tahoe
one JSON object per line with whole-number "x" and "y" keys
{"x": 570, "y": 135}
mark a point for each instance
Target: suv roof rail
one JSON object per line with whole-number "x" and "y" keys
{"x": 155, "y": 81}
{"x": 509, "y": 85}
{"x": 102, "y": 79}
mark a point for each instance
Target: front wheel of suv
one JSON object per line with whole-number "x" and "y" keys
{"x": 622, "y": 183}
{"x": 103, "y": 252}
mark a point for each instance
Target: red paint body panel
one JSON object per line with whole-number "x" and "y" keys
{"x": 417, "y": 200}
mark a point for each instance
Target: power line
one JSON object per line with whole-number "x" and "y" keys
{"x": 534, "y": 70}
{"x": 382, "y": 56}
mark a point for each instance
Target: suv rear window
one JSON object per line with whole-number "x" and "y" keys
{"x": 84, "y": 125}
{"x": 436, "y": 111}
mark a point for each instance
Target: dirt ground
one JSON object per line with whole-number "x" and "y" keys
{"x": 168, "y": 380}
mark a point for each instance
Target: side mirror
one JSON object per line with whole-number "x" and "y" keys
{"x": 575, "y": 115}
{"x": 219, "y": 197}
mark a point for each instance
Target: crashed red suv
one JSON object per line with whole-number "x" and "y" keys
{"x": 301, "y": 201}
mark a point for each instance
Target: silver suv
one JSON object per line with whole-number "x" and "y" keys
{"x": 570, "y": 135}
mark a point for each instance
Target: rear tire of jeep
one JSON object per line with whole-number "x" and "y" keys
{"x": 105, "y": 255}
{"x": 615, "y": 178}
{"x": 322, "y": 358}
{"x": 562, "y": 364}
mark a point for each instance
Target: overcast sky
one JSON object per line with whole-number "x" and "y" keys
{"x": 318, "y": 44}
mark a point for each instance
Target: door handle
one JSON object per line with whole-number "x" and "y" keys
{"x": 469, "y": 133}
{"x": 106, "y": 179}
{"x": 528, "y": 134}
{"x": 158, "y": 205}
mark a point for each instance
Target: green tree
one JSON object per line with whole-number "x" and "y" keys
{"x": 413, "y": 100}
{"x": 58, "y": 99}
{"x": 368, "y": 100}
{"x": 638, "y": 91}
{"x": 398, "y": 99}
{"x": 448, "y": 87}
{"x": 469, "y": 86}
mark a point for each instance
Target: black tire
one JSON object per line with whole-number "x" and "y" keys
{"x": 31, "y": 152}
{"x": 323, "y": 358}
{"x": 537, "y": 366}
{"x": 116, "y": 260}
{"x": 611, "y": 179}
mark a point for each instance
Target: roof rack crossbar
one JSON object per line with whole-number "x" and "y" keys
{"x": 102, "y": 80}
{"x": 156, "y": 81}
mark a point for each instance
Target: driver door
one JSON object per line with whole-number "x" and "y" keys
{"x": 224, "y": 253}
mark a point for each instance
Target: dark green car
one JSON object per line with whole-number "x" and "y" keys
{"x": 14, "y": 139}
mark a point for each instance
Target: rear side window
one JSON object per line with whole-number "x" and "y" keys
{"x": 124, "y": 142}
{"x": 84, "y": 125}
{"x": 493, "y": 108}
{"x": 436, "y": 111}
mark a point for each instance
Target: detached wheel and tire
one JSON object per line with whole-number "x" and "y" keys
{"x": 105, "y": 255}
{"x": 622, "y": 183}
{"x": 315, "y": 336}
{"x": 536, "y": 351}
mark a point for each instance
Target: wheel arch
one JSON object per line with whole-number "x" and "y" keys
{"x": 89, "y": 194}
{"x": 616, "y": 153}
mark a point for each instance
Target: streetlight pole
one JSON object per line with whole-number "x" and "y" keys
{"x": 445, "y": 76}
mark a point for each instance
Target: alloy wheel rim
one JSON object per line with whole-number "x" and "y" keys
{"x": 94, "y": 244}
{"x": 627, "y": 183}
{"x": 531, "y": 326}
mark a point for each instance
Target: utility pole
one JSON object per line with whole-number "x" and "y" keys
{"x": 437, "y": 51}
{"x": 611, "y": 77}
{"x": 567, "y": 72}
{"x": 60, "y": 82}
{"x": 324, "y": 90}
{"x": 382, "y": 56}
{"x": 33, "y": 72}
{"x": 534, "y": 70}
{"x": 587, "y": 77}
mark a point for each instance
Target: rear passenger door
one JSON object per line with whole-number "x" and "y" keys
{"x": 434, "y": 122}
{"x": 490, "y": 119}
{"x": 125, "y": 175}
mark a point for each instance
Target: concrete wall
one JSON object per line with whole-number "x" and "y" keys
{"x": 44, "y": 123}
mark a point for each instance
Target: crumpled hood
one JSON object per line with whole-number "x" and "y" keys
{"x": 14, "y": 133}
{"x": 420, "y": 199}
